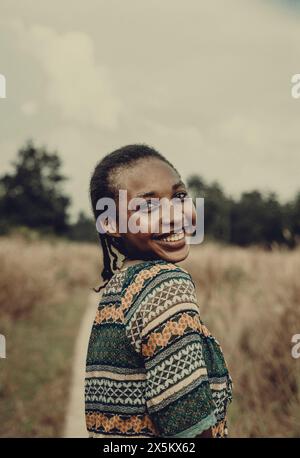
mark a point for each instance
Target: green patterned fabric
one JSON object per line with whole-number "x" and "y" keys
{"x": 153, "y": 369}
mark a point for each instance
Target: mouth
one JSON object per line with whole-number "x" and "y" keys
{"x": 171, "y": 237}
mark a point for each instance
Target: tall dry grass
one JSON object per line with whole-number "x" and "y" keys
{"x": 250, "y": 299}
{"x": 43, "y": 272}
{"x": 44, "y": 288}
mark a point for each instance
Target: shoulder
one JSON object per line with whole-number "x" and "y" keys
{"x": 155, "y": 284}
{"x": 155, "y": 293}
{"x": 144, "y": 278}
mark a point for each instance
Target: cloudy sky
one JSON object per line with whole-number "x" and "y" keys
{"x": 206, "y": 83}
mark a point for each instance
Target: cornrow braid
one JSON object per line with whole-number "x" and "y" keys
{"x": 102, "y": 185}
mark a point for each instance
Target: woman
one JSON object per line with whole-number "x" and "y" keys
{"x": 153, "y": 369}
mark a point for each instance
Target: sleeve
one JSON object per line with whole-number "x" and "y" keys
{"x": 167, "y": 331}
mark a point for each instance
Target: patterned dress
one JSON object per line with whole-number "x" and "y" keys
{"x": 153, "y": 369}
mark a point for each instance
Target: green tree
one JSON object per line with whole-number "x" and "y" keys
{"x": 257, "y": 219}
{"x": 84, "y": 229}
{"x": 293, "y": 219}
{"x": 32, "y": 194}
{"x": 217, "y": 207}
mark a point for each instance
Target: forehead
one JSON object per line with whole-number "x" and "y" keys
{"x": 149, "y": 174}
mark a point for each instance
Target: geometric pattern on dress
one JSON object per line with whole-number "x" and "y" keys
{"x": 134, "y": 424}
{"x": 220, "y": 399}
{"x": 170, "y": 354}
{"x": 171, "y": 328}
{"x": 115, "y": 392}
{"x": 165, "y": 296}
{"x": 115, "y": 312}
{"x": 115, "y": 283}
{"x": 174, "y": 369}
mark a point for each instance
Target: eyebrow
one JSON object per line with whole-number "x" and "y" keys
{"x": 152, "y": 193}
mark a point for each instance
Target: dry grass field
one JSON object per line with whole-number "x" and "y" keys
{"x": 44, "y": 287}
{"x": 249, "y": 298}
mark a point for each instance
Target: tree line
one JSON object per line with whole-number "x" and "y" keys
{"x": 255, "y": 218}
{"x": 32, "y": 196}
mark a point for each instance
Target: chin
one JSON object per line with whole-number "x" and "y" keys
{"x": 178, "y": 259}
{"x": 176, "y": 256}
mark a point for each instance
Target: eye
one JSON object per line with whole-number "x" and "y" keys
{"x": 181, "y": 195}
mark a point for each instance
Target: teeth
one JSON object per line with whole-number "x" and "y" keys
{"x": 173, "y": 237}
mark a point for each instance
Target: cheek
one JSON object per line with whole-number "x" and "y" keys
{"x": 190, "y": 216}
{"x": 139, "y": 239}
{"x": 141, "y": 222}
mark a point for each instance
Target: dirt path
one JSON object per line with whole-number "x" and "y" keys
{"x": 75, "y": 420}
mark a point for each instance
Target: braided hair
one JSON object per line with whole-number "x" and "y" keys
{"x": 103, "y": 184}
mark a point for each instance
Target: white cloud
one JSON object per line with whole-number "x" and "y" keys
{"x": 207, "y": 83}
{"x": 29, "y": 108}
{"x": 75, "y": 83}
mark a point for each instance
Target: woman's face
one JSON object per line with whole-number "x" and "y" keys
{"x": 153, "y": 178}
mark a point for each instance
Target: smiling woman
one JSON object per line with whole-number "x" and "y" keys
{"x": 153, "y": 368}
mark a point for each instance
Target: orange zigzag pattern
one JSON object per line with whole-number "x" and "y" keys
{"x": 173, "y": 328}
{"x": 135, "y": 423}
